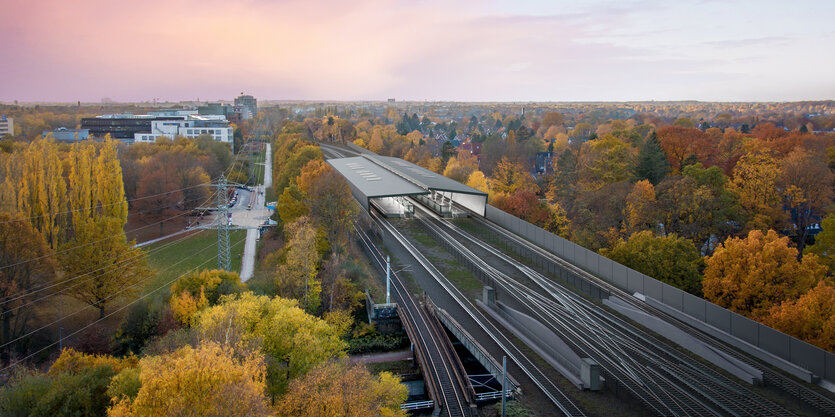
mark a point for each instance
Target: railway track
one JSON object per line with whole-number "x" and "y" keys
{"x": 562, "y": 402}
{"x": 449, "y": 388}
{"x": 653, "y": 373}
{"x": 824, "y": 404}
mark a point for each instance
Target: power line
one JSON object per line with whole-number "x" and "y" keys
{"x": 107, "y": 315}
{"x": 154, "y": 250}
{"x": 104, "y": 299}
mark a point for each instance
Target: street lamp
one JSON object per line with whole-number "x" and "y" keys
{"x": 388, "y": 277}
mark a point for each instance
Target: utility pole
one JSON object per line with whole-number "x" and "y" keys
{"x": 223, "y": 252}
{"x": 504, "y": 383}
{"x": 388, "y": 279}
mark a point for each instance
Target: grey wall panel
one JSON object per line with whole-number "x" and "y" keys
{"x": 693, "y": 306}
{"x": 810, "y": 357}
{"x": 672, "y": 296}
{"x": 605, "y": 268}
{"x": 775, "y": 342}
{"x": 653, "y": 289}
{"x": 619, "y": 274}
{"x": 717, "y": 317}
{"x": 830, "y": 367}
{"x": 634, "y": 281}
{"x": 745, "y": 329}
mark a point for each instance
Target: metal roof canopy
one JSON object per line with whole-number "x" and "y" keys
{"x": 370, "y": 180}
{"x": 468, "y": 197}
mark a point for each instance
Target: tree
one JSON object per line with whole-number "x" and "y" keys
{"x": 103, "y": 264}
{"x": 376, "y": 143}
{"x": 81, "y": 189}
{"x": 42, "y": 191}
{"x": 460, "y": 168}
{"x": 478, "y": 181}
{"x": 640, "y": 208}
{"x": 110, "y": 188}
{"x": 755, "y": 183}
{"x": 652, "y": 163}
{"x": 296, "y": 278}
{"x": 27, "y": 263}
{"x": 810, "y": 318}
{"x": 209, "y": 380}
{"x": 680, "y": 142}
{"x": 751, "y": 275}
{"x": 199, "y": 289}
{"x": 671, "y": 259}
{"x": 606, "y": 161}
{"x": 341, "y": 389}
{"x": 291, "y": 204}
{"x": 293, "y": 341}
{"x": 806, "y": 183}
{"x": 824, "y": 246}
{"x": 552, "y": 119}
{"x": 310, "y": 172}
{"x": 557, "y": 222}
{"x": 509, "y": 177}
{"x": 332, "y": 207}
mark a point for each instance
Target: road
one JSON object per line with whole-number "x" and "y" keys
{"x": 253, "y": 217}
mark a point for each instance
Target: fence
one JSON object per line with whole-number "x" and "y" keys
{"x": 781, "y": 345}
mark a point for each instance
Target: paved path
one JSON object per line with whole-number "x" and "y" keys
{"x": 152, "y": 241}
{"x": 400, "y": 355}
{"x": 254, "y": 217}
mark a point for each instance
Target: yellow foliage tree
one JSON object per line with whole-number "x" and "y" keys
{"x": 810, "y": 318}
{"x": 110, "y": 188}
{"x": 639, "y": 208}
{"x": 478, "y": 181}
{"x": 293, "y": 340}
{"x": 185, "y": 306}
{"x": 296, "y": 278}
{"x": 751, "y": 275}
{"x": 755, "y": 183}
{"x": 209, "y": 380}
{"x": 339, "y": 389}
{"x": 42, "y": 191}
{"x": 376, "y": 143}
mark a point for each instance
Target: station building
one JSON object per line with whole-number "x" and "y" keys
{"x": 390, "y": 185}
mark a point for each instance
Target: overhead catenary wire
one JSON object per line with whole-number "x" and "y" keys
{"x": 164, "y": 246}
{"x": 112, "y": 296}
{"x": 110, "y": 314}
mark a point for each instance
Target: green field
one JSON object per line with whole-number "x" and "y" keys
{"x": 187, "y": 254}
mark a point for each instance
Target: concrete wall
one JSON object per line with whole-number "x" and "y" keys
{"x": 798, "y": 352}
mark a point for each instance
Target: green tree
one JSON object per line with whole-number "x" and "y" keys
{"x": 671, "y": 259}
{"x": 652, "y": 163}
{"x": 824, "y": 246}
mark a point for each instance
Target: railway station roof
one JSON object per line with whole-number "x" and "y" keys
{"x": 370, "y": 180}
{"x": 423, "y": 177}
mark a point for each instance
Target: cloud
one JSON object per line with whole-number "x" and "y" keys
{"x": 430, "y": 49}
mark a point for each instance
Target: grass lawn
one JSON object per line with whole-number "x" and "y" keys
{"x": 189, "y": 253}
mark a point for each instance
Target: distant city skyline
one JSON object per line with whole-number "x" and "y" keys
{"x": 497, "y": 50}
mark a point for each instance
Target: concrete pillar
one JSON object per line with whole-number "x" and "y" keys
{"x": 488, "y": 295}
{"x": 590, "y": 374}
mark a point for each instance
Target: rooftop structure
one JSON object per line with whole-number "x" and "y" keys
{"x": 148, "y": 127}
{"x": 371, "y": 184}
{"x": 62, "y": 134}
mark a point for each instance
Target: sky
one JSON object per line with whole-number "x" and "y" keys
{"x": 437, "y": 50}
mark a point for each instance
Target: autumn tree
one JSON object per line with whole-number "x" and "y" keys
{"x": 755, "y": 183}
{"x": 508, "y": 177}
{"x": 671, "y": 259}
{"x": 679, "y": 143}
{"x": 291, "y": 204}
{"x": 810, "y": 318}
{"x": 332, "y": 207}
{"x": 297, "y": 277}
{"x": 198, "y": 289}
{"x": 806, "y": 183}
{"x": 478, "y": 181}
{"x": 42, "y": 191}
{"x": 557, "y": 222}
{"x": 607, "y": 160}
{"x": 103, "y": 264}
{"x": 26, "y": 263}
{"x": 341, "y": 389}
{"x": 82, "y": 190}
{"x": 640, "y": 208}
{"x": 751, "y": 275}
{"x": 461, "y": 167}
{"x": 110, "y": 188}
{"x": 292, "y": 340}
{"x": 207, "y": 380}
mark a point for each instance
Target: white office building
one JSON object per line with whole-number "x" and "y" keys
{"x": 6, "y": 126}
{"x": 191, "y": 126}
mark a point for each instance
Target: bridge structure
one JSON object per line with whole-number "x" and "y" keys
{"x": 635, "y": 344}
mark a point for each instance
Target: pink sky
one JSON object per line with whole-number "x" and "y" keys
{"x": 416, "y": 50}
